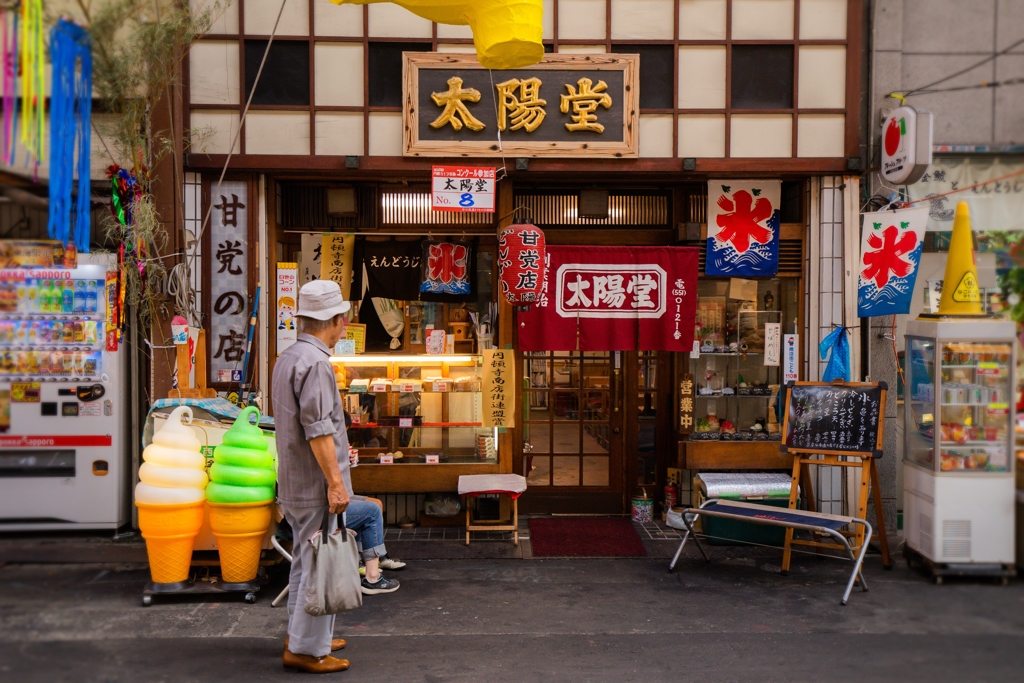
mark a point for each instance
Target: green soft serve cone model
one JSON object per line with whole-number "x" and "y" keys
{"x": 243, "y": 466}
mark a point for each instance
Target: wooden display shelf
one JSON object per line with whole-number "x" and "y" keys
{"x": 415, "y": 477}
{"x": 732, "y": 455}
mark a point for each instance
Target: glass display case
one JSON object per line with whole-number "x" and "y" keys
{"x": 961, "y": 400}
{"x": 958, "y": 480}
{"x": 416, "y": 409}
{"x": 725, "y": 392}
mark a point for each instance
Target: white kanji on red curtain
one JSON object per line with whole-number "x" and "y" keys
{"x": 522, "y": 261}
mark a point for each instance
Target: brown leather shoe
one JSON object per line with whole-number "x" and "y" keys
{"x": 336, "y": 644}
{"x": 314, "y": 665}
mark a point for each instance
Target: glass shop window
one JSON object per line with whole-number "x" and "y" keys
{"x": 385, "y": 71}
{"x": 285, "y": 77}
{"x": 762, "y": 77}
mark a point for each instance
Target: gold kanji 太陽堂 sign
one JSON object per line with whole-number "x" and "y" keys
{"x": 565, "y": 106}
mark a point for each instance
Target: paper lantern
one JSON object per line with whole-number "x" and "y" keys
{"x": 522, "y": 259}
{"x": 507, "y": 33}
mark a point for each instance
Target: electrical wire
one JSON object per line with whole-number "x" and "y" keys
{"x": 917, "y": 91}
{"x": 183, "y": 283}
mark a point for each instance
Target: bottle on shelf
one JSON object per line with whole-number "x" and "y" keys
{"x": 68, "y": 298}
{"x": 32, "y": 295}
{"x": 44, "y": 296}
{"x": 91, "y": 297}
{"x": 79, "y": 296}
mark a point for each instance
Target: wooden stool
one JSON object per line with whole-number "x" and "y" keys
{"x": 474, "y": 485}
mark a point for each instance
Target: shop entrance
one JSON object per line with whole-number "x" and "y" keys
{"x": 593, "y": 429}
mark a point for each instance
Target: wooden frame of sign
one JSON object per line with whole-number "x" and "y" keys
{"x": 857, "y": 457}
{"x": 626, "y": 148}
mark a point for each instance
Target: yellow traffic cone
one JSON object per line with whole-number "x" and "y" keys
{"x": 507, "y": 33}
{"x": 961, "y": 295}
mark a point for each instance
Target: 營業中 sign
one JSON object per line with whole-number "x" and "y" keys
{"x": 564, "y": 106}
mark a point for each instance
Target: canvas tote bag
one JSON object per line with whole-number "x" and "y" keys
{"x": 333, "y": 583}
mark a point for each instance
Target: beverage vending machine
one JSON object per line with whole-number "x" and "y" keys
{"x": 64, "y": 460}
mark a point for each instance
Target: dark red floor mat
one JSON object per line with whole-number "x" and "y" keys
{"x": 585, "y": 537}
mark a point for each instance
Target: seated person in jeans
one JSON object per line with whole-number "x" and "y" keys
{"x": 366, "y": 520}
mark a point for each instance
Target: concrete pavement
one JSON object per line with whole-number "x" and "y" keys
{"x": 541, "y": 620}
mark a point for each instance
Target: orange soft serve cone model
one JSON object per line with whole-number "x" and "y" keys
{"x": 961, "y": 295}
{"x": 507, "y": 33}
{"x": 170, "y": 498}
{"x": 240, "y": 496}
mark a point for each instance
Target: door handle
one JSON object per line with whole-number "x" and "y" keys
{"x": 617, "y": 390}
{"x": 616, "y": 430}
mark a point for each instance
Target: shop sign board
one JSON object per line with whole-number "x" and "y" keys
{"x": 614, "y": 299}
{"x": 906, "y": 145}
{"x": 686, "y": 396}
{"x": 564, "y": 106}
{"x": 890, "y": 254}
{"x": 499, "y": 388}
{"x": 772, "y": 343}
{"x": 287, "y": 298}
{"x": 336, "y": 260}
{"x": 790, "y": 358}
{"x": 743, "y": 228}
{"x": 462, "y": 188}
{"x": 229, "y": 281}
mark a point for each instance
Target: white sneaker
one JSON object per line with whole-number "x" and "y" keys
{"x": 391, "y": 563}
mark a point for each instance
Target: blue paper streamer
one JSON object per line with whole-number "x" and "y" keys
{"x": 838, "y": 366}
{"x": 70, "y": 114}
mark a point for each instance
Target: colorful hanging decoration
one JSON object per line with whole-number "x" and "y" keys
{"x": 125, "y": 193}
{"x": 446, "y": 268}
{"x": 30, "y": 68}
{"x": 522, "y": 257}
{"x": 890, "y": 253}
{"x": 743, "y": 228}
{"x": 70, "y": 133}
{"x": 9, "y": 67}
{"x": 507, "y": 33}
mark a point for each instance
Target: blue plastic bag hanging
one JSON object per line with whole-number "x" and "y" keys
{"x": 838, "y": 366}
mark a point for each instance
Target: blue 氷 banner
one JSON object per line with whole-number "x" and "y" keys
{"x": 890, "y": 253}
{"x": 743, "y": 228}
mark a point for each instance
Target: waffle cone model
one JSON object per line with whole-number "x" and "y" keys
{"x": 170, "y": 498}
{"x": 240, "y": 496}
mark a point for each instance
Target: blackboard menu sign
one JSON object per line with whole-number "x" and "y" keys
{"x": 834, "y": 418}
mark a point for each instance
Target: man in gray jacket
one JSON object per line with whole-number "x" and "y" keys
{"x": 313, "y": 481}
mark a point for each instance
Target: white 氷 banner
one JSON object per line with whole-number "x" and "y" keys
{"x": 890, "y": 253}
{"x": 995, "y": 205}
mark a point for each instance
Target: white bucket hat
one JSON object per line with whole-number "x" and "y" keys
{"x": 321, "y": 300}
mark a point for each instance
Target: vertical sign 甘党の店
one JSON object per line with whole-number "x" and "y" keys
{"x": 229, "y": 280}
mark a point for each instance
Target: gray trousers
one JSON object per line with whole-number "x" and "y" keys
{"x": 307, "y": 635}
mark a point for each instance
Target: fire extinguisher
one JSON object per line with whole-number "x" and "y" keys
{"x": 671, "y": 496}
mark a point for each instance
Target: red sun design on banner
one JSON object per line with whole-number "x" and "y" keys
{"x": 888, "y": 255}
{"x": 447, "y": 262}
{"x": 741, "y": 223}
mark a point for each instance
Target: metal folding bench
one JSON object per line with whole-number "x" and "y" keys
{"x": 816, "y": 522}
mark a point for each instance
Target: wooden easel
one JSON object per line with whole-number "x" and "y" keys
{"x": 185, "y": 389}
{"x": 864, "y": 460}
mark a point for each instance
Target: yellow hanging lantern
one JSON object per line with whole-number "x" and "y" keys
{"x": 507, "y": 33}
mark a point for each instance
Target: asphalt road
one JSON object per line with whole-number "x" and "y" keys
{"x": 736, "y": 619}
